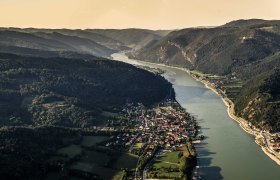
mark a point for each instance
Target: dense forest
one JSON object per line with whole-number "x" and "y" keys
{"x": 24, "y": 151}
{"x": 71, "y": 92}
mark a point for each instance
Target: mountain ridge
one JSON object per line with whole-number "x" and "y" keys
{"x": 246, "y": 49}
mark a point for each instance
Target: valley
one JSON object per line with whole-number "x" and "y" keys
{"x": 225, "y": 143}
{"x": 130, "y": 103}
{"x": 245, "y": 50}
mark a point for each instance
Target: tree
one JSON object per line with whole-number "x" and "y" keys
{"x": 183, "y": 164}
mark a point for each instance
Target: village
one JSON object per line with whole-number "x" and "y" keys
{"x": 168, "y": 126}
{"x": 152, "y": 133}
{"x": 165, "y": 128}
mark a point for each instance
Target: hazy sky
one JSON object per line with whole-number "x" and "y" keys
{"x": 153, "y": 14}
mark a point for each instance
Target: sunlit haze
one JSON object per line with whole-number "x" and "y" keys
{"x": 152, "y": 14}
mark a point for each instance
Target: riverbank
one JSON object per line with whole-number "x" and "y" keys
{"x": 241, "y": 121}
{"x": 230, "y": 106}
{"x": 231, "y": 113}
{"x": 230, "y": 110}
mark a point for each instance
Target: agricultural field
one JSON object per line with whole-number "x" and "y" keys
{"x": 70, "y": 151}
{"x": 95, "y": 157}
{"x": 232, "y": 88}
{"x": 168, "y": 165}
{"x": 99, "y": 164}
{"x": 85, "y": 161}
{"x": 95, "y": 169}
{"x": 167, "y": 160}
{"x": 89, "y": 141}
{"x": 109, "y": 114}
{"x": 103, "y": 117}
{"x": 196, "y": 72}
{"x": 233, "y": 84}
{"x": 126, "y": 160}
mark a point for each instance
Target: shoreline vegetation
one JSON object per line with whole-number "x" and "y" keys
{"x": 230, "y": 110}
{"x": 241, "y": 121}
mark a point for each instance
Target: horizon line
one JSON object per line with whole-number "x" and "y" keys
{"x": 111, "y": 28}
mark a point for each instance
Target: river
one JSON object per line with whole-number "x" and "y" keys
{"x": 227, "y": 152}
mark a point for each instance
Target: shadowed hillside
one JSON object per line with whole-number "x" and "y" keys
{"x": 71, "y": 92}
{"x": 101, "y": 43}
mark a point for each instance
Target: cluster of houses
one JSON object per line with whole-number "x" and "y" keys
{"x": 252, "y": 127}
{"x": 166, "y": 126}
{"x": 274, "y": 142}
{"x": 125, "y": 136}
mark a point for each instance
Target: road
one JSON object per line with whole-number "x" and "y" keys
{"x": 134, "y": 142}
{"x": 264, "y": 135}
{"x": 149, "y": 163}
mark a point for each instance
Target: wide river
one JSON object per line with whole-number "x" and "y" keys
{"x": 227, "y": 152}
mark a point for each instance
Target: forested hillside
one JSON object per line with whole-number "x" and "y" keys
{"x": 55, "y": 87}
{"x": 71, "y": 92}
{"x": 215, "y": 50}
{"x": 248, "y": 50}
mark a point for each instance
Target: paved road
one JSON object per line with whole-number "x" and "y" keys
{"x": 149, "y": 163}
{"x": 264, "y": 135}
{"x": 134, "y": 142}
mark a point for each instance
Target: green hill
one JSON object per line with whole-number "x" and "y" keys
{"x": 71, "y": 92}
